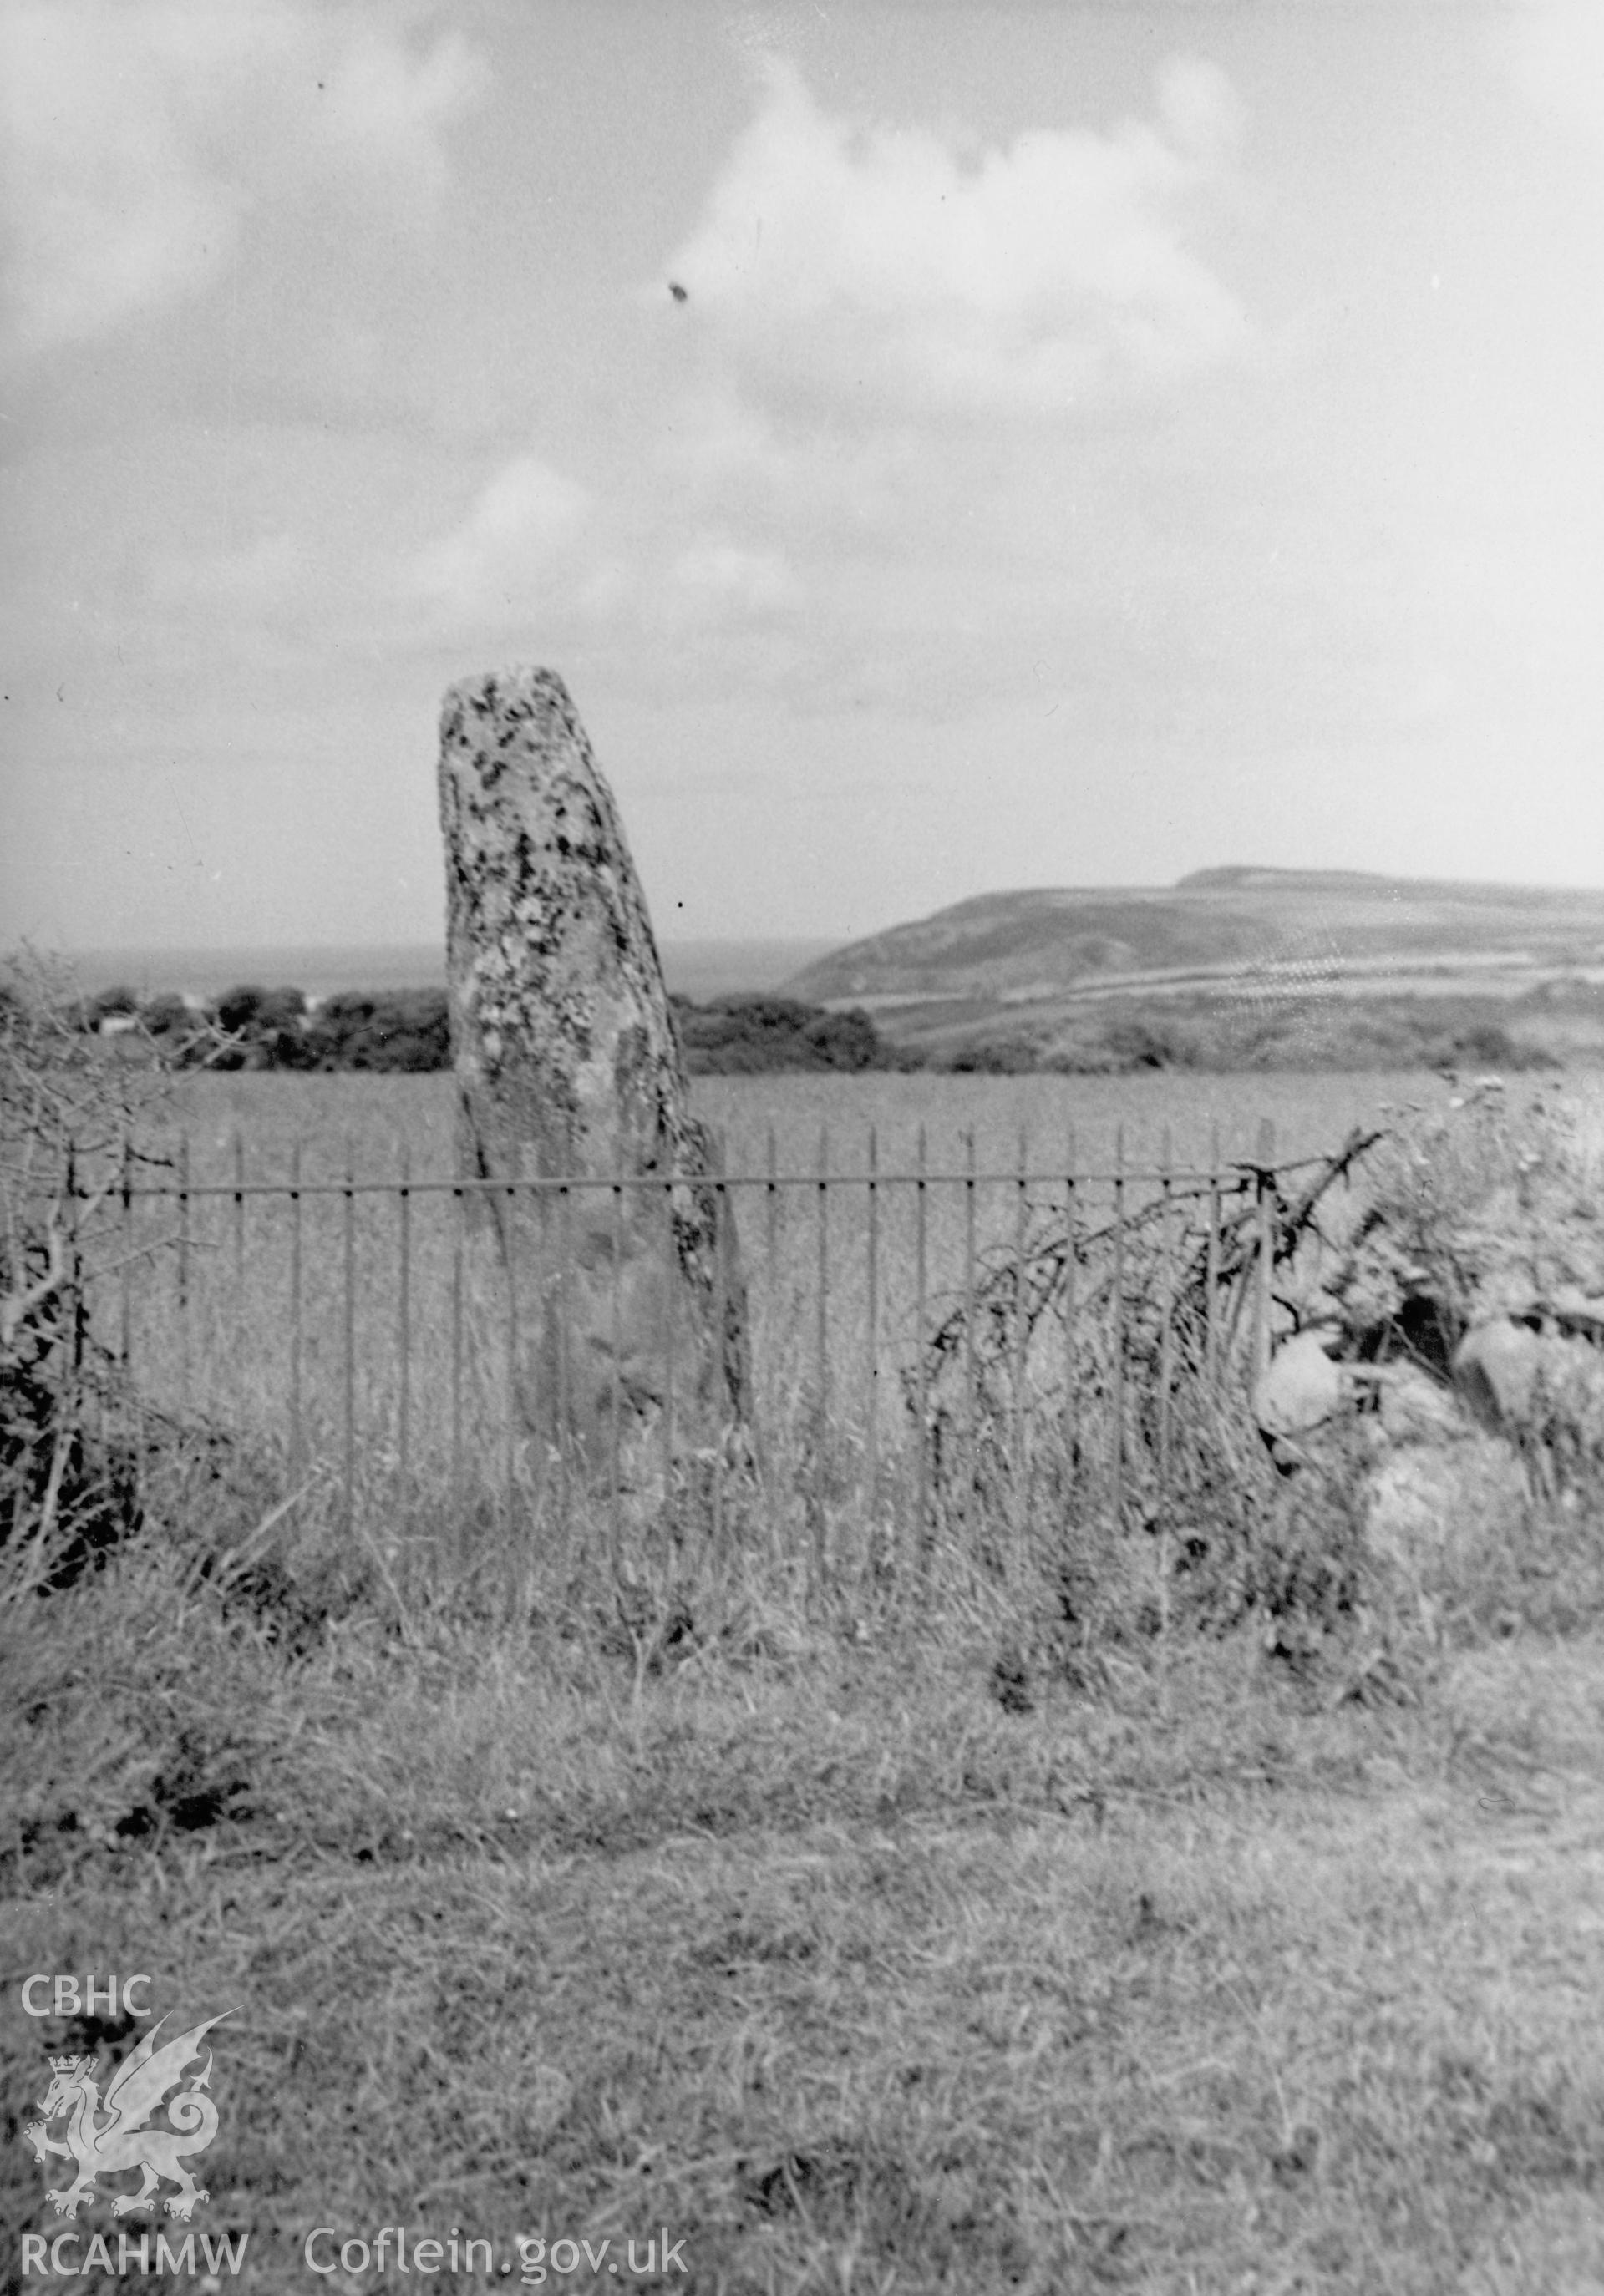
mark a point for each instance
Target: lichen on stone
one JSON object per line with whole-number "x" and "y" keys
{"x": 566, "y": 1052}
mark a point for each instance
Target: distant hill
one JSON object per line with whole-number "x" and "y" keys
{"x": 1301, "y": 930}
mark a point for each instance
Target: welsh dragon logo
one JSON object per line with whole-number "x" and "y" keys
{"x": 105, "y": 2139}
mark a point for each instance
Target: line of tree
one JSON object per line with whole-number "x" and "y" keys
{"x": 402, "y": 1030}
{"x": 756, "y": 1036}
{"x": 407, "y": 1031}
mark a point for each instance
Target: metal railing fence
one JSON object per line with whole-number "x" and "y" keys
{"x": 935, "y": 1347}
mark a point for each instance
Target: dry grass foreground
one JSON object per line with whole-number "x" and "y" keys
{"x": 858, "y": 1959}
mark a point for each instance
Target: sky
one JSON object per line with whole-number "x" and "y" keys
{"x": 1091, "y": 443}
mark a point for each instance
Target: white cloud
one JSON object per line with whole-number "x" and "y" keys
{"x": 499, "y": 561}
{"x": 387, "y": 106}
{"x": 534, "y": 543}
{"x": 833, "y": 488}
{"x": 1556, "y": 52}
{"x": 1200, "y": 109}
{"x": 139, "y": 133}
{"x": 713, "y": 615}
{"x": 718, "y": 575}
{"x": 890, "y": 267}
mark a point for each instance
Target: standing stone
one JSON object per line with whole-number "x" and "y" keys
{"x": 567, "y": 1063}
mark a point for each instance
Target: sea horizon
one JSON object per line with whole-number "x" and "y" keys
{"x": 697, "y": 969}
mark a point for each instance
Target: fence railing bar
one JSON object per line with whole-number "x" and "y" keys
{"x": 1166, "y": 1291}
{"x": 669, "y": 1300}
{"x": 1016, "y": 1428}
{"x": 1117, "y": 1431}
{"x": 770, "y": 1207}
{"x": 1241, "y": 1176}
{"x": 515, "y": 1399}
{"x": 184, "y": 1270}
{"x": 557, "y": 1285}
{"x": 403, "y": 1328}
{"x": 721, "y": 1215}
{"x": 348, "y": 1471}
{"x": 458, "y": 1217}
{"x": 822, "y": 1359}
{"x": 127, "y": 1252}
{"x": 1211, "y": 1279}
{"x": 1266, "y": 1270}
{"x": 239, "y": 1269}
{"x": 971, "y": 1479}
{"x": 66, "y": 1349}
{"x": 615, "y": 1503}
{"x": 871, "y": 1392}
{"x": 297, "y": 1423}
{"x": 921, "y": 1514}
{"x": 1071, "y": 1258}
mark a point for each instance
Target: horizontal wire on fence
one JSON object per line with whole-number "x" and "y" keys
{"x": 1245, "y": 1170}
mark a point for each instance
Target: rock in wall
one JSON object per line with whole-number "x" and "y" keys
{"x": 627, "y": 1302}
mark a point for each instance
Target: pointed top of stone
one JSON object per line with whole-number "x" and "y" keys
{"x": 562, "y": 1031}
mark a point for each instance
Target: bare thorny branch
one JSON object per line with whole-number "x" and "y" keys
{"x": 1168, "y": 1262}
{"x": 17, "y": 1306}
{"x": 73, "y": 1117}
{"x": 1125, "y": 1331}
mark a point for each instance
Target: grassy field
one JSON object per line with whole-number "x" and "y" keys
{"x": 887, "y": 1931}
{"x": 818, "y": 1952}
{"x": 377, "y": 1113}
